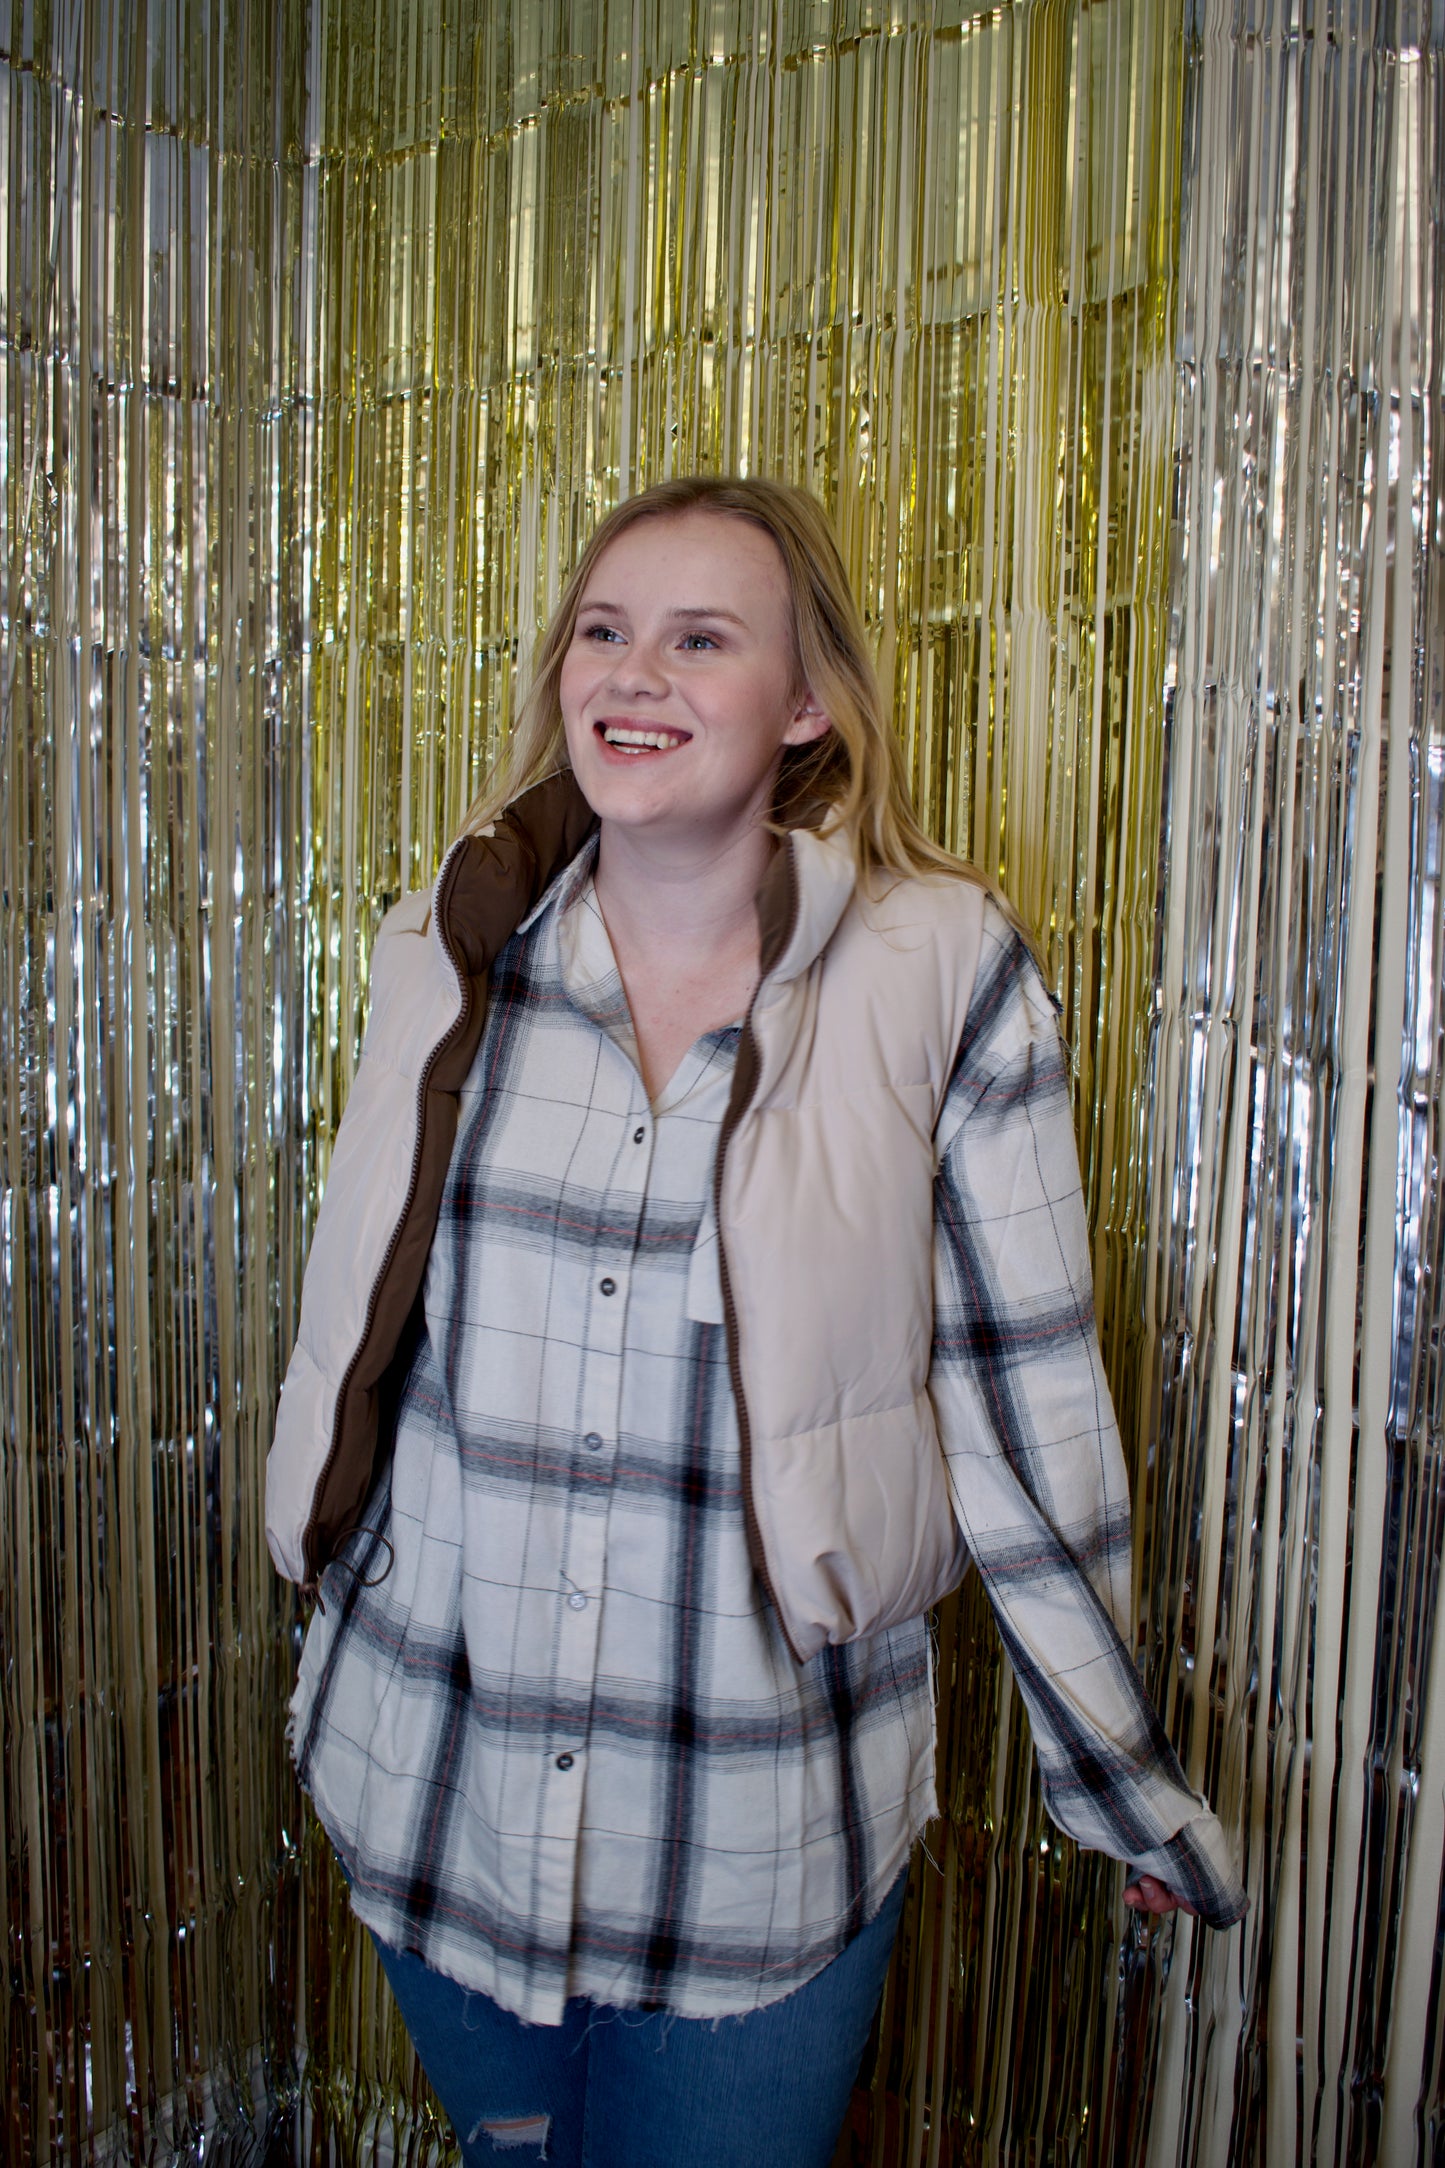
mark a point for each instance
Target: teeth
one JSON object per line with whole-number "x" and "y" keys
{"x": 661, "y": 740}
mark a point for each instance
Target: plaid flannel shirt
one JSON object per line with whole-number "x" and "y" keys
{"x": 547, "y": 1715}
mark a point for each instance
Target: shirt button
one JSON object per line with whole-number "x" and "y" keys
{"x": 593, "y": 1441}
{"x": 609, "y": 1287}
{"x": 577, "y": 1601}
{"x": 564, "y": 1761}
{"x": 638, "y": 1135}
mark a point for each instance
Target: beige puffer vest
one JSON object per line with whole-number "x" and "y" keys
{"x": 825, "y": 1179}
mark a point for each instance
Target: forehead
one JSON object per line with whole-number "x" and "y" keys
{"x": 725, "y": 552}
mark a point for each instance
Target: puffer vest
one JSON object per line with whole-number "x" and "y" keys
{"x": 825, "y": 1174}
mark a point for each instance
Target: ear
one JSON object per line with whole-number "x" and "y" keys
{"x": 809, "y": 722}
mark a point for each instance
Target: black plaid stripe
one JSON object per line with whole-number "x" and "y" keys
{"x": 681, "y": 1763}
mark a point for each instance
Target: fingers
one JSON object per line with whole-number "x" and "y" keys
{"x": 1147, "y": 1894}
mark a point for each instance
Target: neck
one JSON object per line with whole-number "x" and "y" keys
{"x": 696, "y": 903}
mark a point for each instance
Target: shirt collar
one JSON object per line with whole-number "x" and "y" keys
{"x": 567, "y": 887}
{"x": 588, "y": 967}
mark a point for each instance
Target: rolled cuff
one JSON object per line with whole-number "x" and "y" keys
{"x": 1197, "y": 1864}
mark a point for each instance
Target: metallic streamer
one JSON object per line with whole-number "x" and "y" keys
{"x": 157, "y": 1170}
{"x": 327, "y": 331}
{"x": 1292, "y": 1511}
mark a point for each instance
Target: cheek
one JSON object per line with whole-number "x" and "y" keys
{"x": 766, "y": 709}
{"x": 574, "y": 682}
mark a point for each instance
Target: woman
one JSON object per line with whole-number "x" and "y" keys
{"x": 702, "y": 1279}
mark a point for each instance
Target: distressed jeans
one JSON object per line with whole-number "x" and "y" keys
{"x": 626, "y": 2089}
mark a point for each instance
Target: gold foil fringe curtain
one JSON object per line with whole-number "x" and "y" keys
{"x": 157, "y": 1097}
{"x": 327, "y": 333}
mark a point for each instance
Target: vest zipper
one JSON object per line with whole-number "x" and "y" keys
{"x": 747, "y": 1043}
{"x": 314, "y": 1570}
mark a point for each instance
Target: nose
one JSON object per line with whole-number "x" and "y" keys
{"x": 637, "y": 670}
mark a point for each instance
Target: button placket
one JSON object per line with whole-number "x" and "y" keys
{"x": 599, "y": 1411}
{"x": 584, "y": 1561}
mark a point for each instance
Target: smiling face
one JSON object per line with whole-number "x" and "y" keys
{"x": 678, "y": 691}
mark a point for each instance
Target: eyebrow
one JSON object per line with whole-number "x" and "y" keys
{"x": 616, "y": 609}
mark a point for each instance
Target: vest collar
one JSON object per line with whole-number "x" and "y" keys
{"x": 490, "y": 883}
{"x": 805, "y": 892}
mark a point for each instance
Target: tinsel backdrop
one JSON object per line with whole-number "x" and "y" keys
{"x": 1110, "y": 332}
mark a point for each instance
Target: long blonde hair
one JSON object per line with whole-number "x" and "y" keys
{"x": 851, "y": 780}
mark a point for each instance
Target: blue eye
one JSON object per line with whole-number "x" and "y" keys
{"x": 699, "y": 639}
{"x": 601, "y": 632}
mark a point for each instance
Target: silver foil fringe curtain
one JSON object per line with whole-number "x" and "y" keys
{"x": 1293, "y": 1508}
{"x": 325, "y": 331}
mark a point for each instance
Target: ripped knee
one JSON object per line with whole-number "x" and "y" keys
{"x": 513, "y": 2133}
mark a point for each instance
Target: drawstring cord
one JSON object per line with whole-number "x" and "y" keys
{"x": 363, "y": 1578}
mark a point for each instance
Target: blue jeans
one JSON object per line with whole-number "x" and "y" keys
{"x": 625, "y": 2089}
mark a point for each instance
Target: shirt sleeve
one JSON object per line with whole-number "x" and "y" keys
{"x": 1032, "y": 1444}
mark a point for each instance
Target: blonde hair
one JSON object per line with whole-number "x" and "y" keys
{"x": 852, "y": 779}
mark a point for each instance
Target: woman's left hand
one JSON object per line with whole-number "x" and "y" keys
{"x": 1148, "y": 1895}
